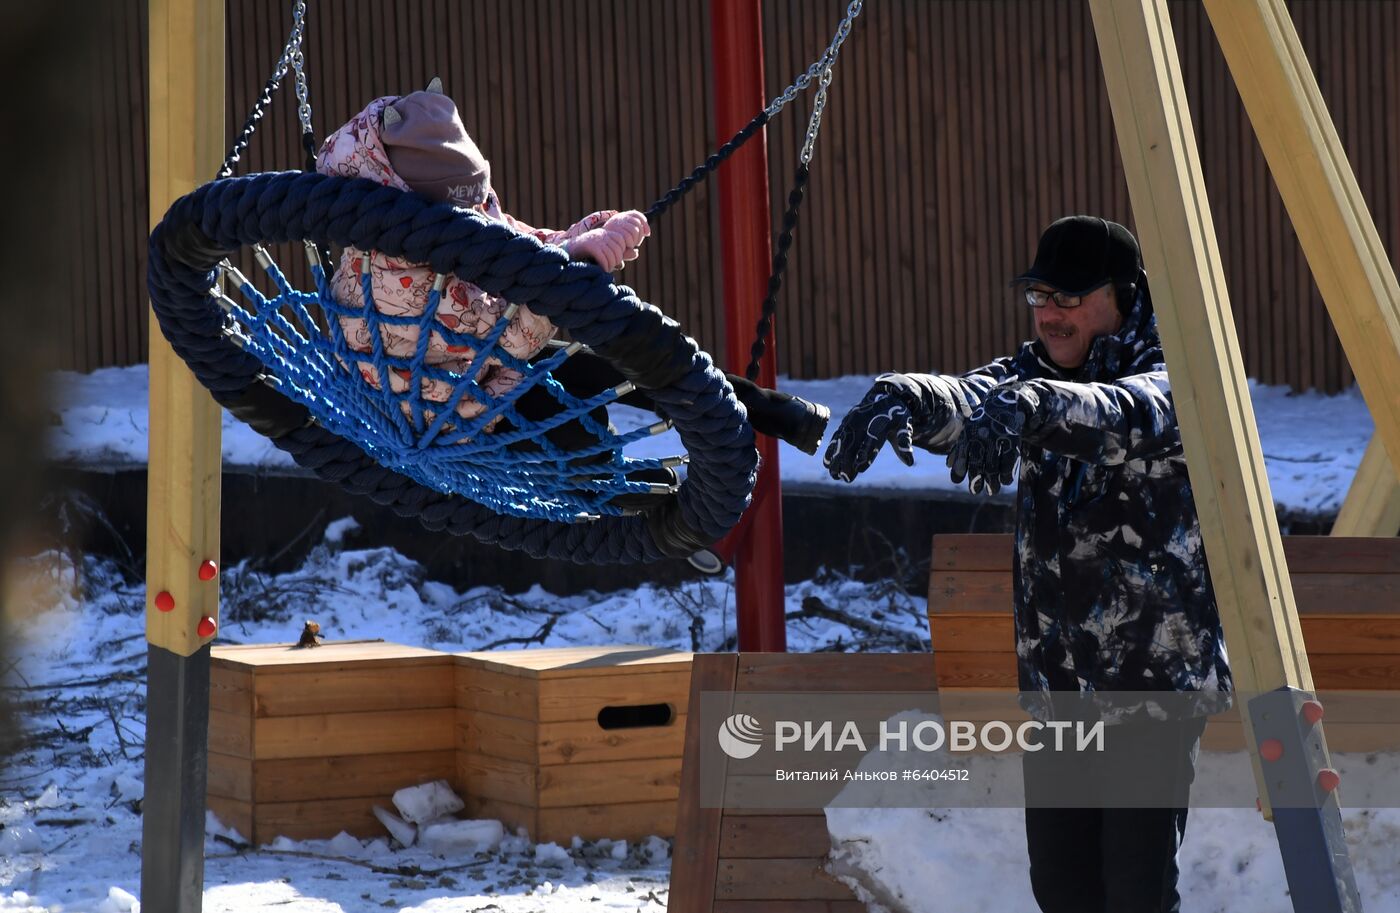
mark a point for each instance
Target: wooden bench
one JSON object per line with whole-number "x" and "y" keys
{"x": 1347, "y": 592}
{"x": 753, "y": 860}
{"x": 303, "y": 743}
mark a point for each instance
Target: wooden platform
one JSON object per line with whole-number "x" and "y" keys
{"x": 769, "y": 861}
{"x": 578, "y": 740}
{"x": 303, "y": 742}
{"x": 1348, "y": 597}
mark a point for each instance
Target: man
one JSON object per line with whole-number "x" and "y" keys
{"x": 1111, "y": 588}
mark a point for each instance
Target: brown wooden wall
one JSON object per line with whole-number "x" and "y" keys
{"x": 955, "y": 131}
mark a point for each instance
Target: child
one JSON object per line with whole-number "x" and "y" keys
{"x": 418, "y": 143}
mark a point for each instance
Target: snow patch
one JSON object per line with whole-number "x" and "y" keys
{"x": 346, "y": 845}
{"x": 119, "y": 901}
{"x": 213, "y": 827}
{"x": 427, "y": 802}
{"x": 655, "y": 850}
{"x": 337, "y": 530}
{"x": 19, "y": 839}
{"x": 552, "y": 854}
{"x": 461, "y": 838}
{"x": 49, "y": 798}
{"x": 400, "y": 829}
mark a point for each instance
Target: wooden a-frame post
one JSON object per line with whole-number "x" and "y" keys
{"x": 1372, "y": 505}
{"x": 186, "y": 41}
{"x": 1209, "y": 387}
{"x": 1334, "y": 227}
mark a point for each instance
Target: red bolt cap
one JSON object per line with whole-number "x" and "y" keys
{"x": 207, "y": 627}
{"x": 208, "y": 570}
{"x": 1258, "y": 806}
{"x": 165, "y": 602}
{"x": 1328, "y": 779}
{"x": 1271, "y": 749}
{"x": 1312, "y": 712}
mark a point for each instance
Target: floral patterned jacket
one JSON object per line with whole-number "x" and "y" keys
{"x": 402, "y": 289}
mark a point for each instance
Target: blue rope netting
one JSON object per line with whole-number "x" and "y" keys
{"x": 270, "y": 362}
{"x": 419, "y": 437}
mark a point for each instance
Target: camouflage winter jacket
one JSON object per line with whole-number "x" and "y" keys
{"x": 1111, "y": 587}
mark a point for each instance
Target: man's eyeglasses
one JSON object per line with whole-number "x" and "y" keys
{"x": 1039, "y": 298}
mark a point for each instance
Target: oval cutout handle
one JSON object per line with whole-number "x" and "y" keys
{"x": 636, "y": 716}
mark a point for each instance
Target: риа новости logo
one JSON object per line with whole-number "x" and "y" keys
{"x": 740, "y": 736}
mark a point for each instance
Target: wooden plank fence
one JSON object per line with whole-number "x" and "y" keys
{"x": 956, "y": 129}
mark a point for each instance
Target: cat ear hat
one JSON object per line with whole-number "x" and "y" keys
{"x": 430, "y": 150}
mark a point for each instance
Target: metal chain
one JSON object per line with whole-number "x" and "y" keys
{"x": 815, "y": 123}
{"x": 821, "y": 68}
{"x": 298, "y": 60}
{"x": 291, "y": 56}
{"x": 823, "y": 63}
{"x": 780, "y": 259}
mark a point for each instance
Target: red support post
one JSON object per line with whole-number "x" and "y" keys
{"x": 736, "y": 28}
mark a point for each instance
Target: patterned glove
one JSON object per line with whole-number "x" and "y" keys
{"x": 990, "y": 444}
{"x": 884, "y": 415}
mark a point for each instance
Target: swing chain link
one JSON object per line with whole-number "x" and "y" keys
{"x": 821, "y": 68}
{"x": 822, "y": 65}
{"x": 815, "y": 124}
{"x": 293, "y": 54}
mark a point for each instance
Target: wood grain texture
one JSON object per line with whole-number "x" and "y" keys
{"x": 348, "y": 776}
{"x": 1348, "y": 633}
{"x": 353, "y": 687}
{"x": 233, "y": 813}
{"x": 695, "y": 857}
{"x": 230, "y": 777}
{"x": 778, "y": 879}
{"x": 378, "y": 732}
{"x": 320, "y": 819}
{"x": 774, "y": 836}
{"x": 577, "y": 662}
{"x": 330, "y": 656}
{"x": 581, "y": 698}
{"x": 784, "y": 672}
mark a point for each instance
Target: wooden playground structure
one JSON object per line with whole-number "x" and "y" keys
{"x": 1269, "y": 601}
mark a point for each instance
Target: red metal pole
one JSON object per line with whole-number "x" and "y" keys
{"x": 736, "y": 28}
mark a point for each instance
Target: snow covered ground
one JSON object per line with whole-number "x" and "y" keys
{"x": 70, "y": 797}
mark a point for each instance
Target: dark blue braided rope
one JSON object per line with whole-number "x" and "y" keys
{"x": 206, "y": 225}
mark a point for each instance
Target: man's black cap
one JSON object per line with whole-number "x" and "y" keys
{"x": 1077, "y": 254}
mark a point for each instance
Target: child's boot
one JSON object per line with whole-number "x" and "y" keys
{"x": 782, "y": 415}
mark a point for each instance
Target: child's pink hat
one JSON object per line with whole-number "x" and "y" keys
{"x": 429, "y": 148}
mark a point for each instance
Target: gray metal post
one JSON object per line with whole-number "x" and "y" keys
{"x": 177, "y": 756}
{"x": 1302, "y": 790}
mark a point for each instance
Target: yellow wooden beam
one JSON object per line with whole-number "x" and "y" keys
{"x": 1319, "y": 189}
{"x": 186, "y": 42}
{"x": 1372, "y": 506}
{"x": 1209, "y": 385}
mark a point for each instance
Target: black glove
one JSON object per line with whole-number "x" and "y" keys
{"x": 884, "y": 415}
{"x": 990, "y": 444}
